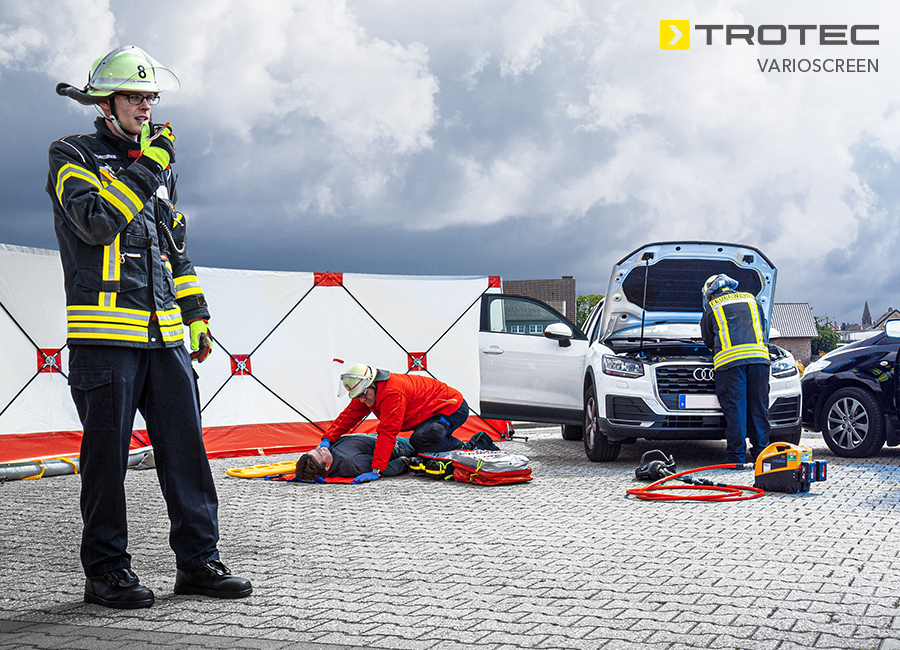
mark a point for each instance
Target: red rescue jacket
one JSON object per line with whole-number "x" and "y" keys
{"x": 402, "y": 402}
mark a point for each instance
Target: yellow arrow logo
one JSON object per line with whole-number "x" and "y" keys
{"x": 674, "y": 34}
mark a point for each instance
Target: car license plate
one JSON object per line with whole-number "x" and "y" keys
{"x": 698, "y": 402}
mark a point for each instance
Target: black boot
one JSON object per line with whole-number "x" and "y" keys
{"x": 119, "y": 588}
{"x": 212, "y": 579}
{"x": 481, "y": 440}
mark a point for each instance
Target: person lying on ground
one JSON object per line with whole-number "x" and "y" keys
{"x": 350, "y": 456}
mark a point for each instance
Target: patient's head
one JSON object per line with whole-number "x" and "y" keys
{"x": 313, "y": 464}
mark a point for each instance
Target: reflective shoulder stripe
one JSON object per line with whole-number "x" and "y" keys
{"x": 68, "y": 171}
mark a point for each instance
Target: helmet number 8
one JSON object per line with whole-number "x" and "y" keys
{"x": 142, "y": 73}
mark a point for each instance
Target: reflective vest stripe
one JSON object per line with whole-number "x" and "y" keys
{"x": 757, "y": 326}
{"x": 738, "y": 352}
{"x": 187, "y": 285}
{"x": 724, "y": 336}
{"x": 73, "y": 171}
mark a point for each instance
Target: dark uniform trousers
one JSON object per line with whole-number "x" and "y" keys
{"x": 743, "y": 393}
{"x": 436, "y": 433}
{"x": 109, "y": 383}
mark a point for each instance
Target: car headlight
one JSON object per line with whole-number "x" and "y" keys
{"x": 817, "y": 365}
{"x": 784, "y": 368}
{"x": 620, "y": 367}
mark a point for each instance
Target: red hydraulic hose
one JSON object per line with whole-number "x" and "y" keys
{"x": 721, "y": 491}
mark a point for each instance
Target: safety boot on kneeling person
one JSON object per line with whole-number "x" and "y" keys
{"x": 119, "y": 589}
{"x": 212, "y": 579}
{"x": 481, "y": 440}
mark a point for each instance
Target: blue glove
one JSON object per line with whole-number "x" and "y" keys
{"x": 366, "y": 477}
{"x": 325, "y": 443}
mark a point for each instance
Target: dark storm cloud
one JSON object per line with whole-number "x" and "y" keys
{"x": 527, "y": 139}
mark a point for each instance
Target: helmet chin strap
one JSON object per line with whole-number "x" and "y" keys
{"x": 114, "y": 121}
{"x": 117, "y": 126}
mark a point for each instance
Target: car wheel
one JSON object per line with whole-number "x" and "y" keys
{"x": 572, "y": 432}
{"x": 596, "y": 445}
{"x": 853, "y": 423}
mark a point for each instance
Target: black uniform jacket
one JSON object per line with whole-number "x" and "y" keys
{"x": 124, "y": 284}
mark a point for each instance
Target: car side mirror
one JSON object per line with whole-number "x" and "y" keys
{"x": 559, "y": 332}
{"x": 892, "y": 328}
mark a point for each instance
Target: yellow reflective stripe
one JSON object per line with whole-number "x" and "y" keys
{"x": 111, "y": 271}
{"x": 757, "y": 327}
{"x": 68, "y": 171}
{"x": 111, "y": 260}
{"x": 173, "y": 333}
{"x": 170, "y": 324}
{"x": 187, "y": 285}
{"x": 78, "y": 313}
{"x": 748, "y": 351}
{"x": 124, "y": 200}
{"x": 724, "y": 336}
{"x": 106, "y": 332}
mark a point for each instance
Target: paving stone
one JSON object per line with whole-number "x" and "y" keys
{"x": 567, "y": 561}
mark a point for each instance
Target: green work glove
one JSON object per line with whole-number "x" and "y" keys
{"x": 160, "y": 148}
{"x": 201, "y": 343}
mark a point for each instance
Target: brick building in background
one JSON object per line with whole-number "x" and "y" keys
{"x": 559, "y": 294}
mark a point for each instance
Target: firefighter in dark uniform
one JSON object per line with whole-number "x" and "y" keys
{"x": 734, "y": 328}
{"x": 130, "y": 289}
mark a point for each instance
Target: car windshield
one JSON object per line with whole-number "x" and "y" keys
{"x": 661, "y": 330}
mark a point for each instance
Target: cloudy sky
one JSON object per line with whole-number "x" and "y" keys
{"x": 527, "y": 139}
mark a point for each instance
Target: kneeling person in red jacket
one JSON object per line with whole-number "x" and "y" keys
{"x": 431, "y": 409}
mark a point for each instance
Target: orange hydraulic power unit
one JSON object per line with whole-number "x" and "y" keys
{"x": 783, "y": 467}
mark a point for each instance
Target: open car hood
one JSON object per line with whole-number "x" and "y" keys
{"x": 675, "y": 273}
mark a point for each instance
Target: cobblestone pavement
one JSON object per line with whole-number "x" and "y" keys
{"x": 566, "y": 561}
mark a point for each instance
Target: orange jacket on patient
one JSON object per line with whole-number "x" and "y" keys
{"x": 402, "y": 402}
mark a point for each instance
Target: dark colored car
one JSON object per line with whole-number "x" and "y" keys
{"x": 851, "y": 395}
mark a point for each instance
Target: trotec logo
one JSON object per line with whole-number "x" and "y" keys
{"x": 674, "y": 34}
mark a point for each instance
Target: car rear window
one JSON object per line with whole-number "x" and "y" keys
{"x": 677, "y": 285}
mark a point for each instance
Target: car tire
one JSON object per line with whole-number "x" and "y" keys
{"x": 572, "y": 432}
{"x": 596, "y": 445}
{"x": 853, "y": 423}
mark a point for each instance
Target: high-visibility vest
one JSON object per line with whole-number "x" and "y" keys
{"x": 738, "y": 324}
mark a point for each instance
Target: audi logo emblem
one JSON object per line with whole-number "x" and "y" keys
{"x": 704, "y": 374}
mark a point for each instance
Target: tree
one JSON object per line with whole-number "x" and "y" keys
{"x": 828, "y": 338}
{"x": 584, "y": 305}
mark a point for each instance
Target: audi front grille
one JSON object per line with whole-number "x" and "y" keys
{"x": 675, "y": 380}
